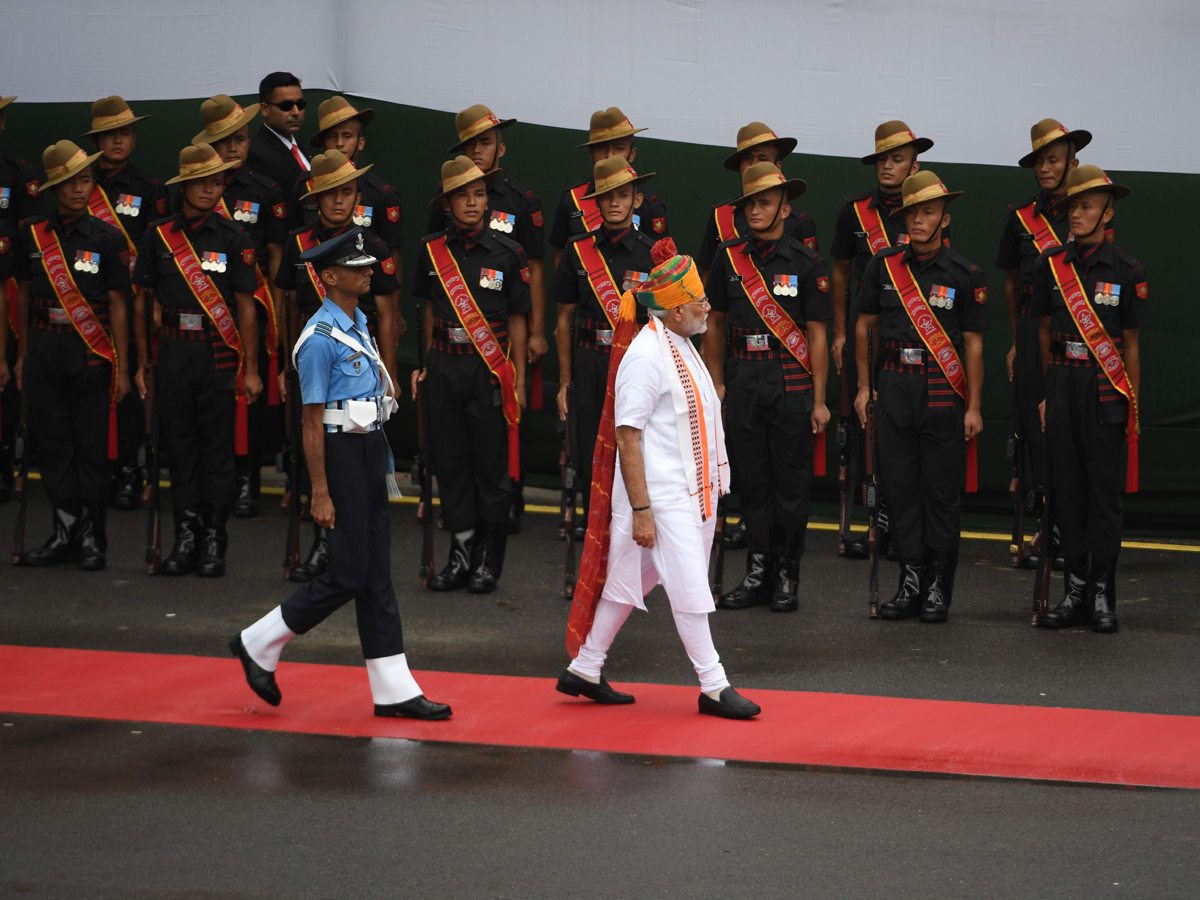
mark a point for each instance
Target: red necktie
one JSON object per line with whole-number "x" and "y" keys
{"x": 300, "y": 160}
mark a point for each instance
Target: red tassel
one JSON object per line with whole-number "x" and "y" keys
{"x": 273, "y": 381}
{"x": 1131, "y": 463}
{"x": 112, "y": 429}
{"x": 972, "y": 466}
{"x": 819, "y": 454}
{"x": 535, "y": 386}
{"x": 514, "y": 451}
{"x": 241, "y": 427}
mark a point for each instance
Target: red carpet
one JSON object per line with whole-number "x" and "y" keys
{"x": 832, "y": 730}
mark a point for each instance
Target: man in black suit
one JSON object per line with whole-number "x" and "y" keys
{"x": 273, "y": 150}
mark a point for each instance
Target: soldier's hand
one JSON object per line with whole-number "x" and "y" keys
{"x": 5, "y": 374}
{"x": 122, "y": 385}
{"x": 17, "y": 372}
{"x": 322, "y": 509}
{"x": 720, "y": 392}
{"x": 838, "y": 351}
{"x": 972, "y": 424}
{"x": 282, "y": 379}
{"x": 1042, "y": 413}
{"x": 537, "y": 347}
{"x": 401, "y": 327}
{"x": 1008, "y": 360}
{"x": 251, "y": 386}
{"x": 819, "y": 417}
{"x": 643, "y": 529}
{"x": 562, "y": 403}
{"x": 418, "y": 376}
{"x": 139, "y": 379}
{"x": 860, "y": 405}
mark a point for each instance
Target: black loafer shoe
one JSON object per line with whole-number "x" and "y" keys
{"x": 572, "y": 684}
{"x": 260, "y": 680}
{"x": 732, "y": 705}
{"x": 416, "y": 708}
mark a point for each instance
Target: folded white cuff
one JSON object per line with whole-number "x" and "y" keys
{"x": 391, "y": 681}
{"x": 265, "y": 639}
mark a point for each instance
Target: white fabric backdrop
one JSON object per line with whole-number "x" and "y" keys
{"x": 972, "y": 75}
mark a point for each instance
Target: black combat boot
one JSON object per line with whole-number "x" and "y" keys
{"x": 1102, "y": 591}
{"x": 755, "y": 588}
{"x": 1073, "y": 611}
{"x": 735, "y": 536}
{"x": 489, "y": 558}
{"x": 213, "y": 541}
{"x": 249, "y": 478}
{"x": 92, "y": 537}
{"x": 787, "y": 572}
{"x": 940, "y": 590}
{"x": 318, "y": 559}
{"x": 60, "y": 547}
{"x": 182, "y": 559}
{"x": 127, "y": 488}
{"x": 861, "y": 548}
{"x": 906, "y": 602}
{"x": 458, "y": 570}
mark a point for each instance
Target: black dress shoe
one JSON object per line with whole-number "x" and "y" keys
{"x": 260, "y": 680}
{"x": 575, "y": 686}
{"x": 857, "y": 549}
{"x": 416, "y": 708}
{"x": 731, "y": 705}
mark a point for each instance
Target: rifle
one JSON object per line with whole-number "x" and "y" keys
{"x": 845, "y": 442}
{"x": 871, "y": 487}
{"x": 21, "y": 458}
{"x": 421, "y": 475}
{"x": 1015, "y": 450}
{"x": 568, "y": 479}
{"x": 295, "y": 449}
{"x": 1045, "y": 558}
{"x": 148, "y": 452}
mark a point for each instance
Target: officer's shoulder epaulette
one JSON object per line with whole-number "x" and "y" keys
{"x": 854, "y": 198}
{"x": 12, "y": 157}
{"x": 961, "y": 261}
{"x": 233, "y": 226}
{"x": 263, "y": 180}
{"x": 892, "y": 251}
{"x": 733, "y": 242}
{"x": 516, "y": 186}
{"x": 1013, "y": 207}
{"x": 508, "y": 243}
{"x": 104, "y": 227}
{"x": 582, "y": 236}
{"x": 1054, "y": 250}
{"x": 432, "y": 235}
{"x": 571, "y": 187}
{"x": 162, "y": 220}
{"x": 1124, "y": 256}
{"x": 30, "y": 220}
{"x": 642, "y": 238}
{"x": 801, "y": 247}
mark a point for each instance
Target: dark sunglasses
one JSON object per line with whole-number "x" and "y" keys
{"x": 286, "y": 105}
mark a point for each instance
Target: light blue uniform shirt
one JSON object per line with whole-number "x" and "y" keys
{"x": 329, "y": 370}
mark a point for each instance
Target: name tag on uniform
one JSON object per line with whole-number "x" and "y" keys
{"x": 941, "y": 297}
{"x": 633, "y": 280}
{"x": 502, "y": 221}
{"x": 5, "y": 197}
{"x": 492, "y": 279}
{"x": 785, "y": 286}
{"x": 128, "y": 205}
{"x": 245, "y": 211}
{"x": 212, "y": 262}
{"x": 87, "y": 261}
{"x": 1107, "y": 294}
{"x": 363, "y": 215}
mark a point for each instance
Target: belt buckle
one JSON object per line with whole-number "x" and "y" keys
{"x": 1076, "y": 350}
{"x": 191, "y": 321}
{"x": 58, "y": 315}
{"x": 911, "y": 356}
{"x": 457, "y": 336}
{"x": 757, "y": 342}
{"x": 604, "y": 337}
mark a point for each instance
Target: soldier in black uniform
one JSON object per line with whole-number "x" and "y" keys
{"x": 1052, "y": 160}
{"x": 69, "y": 372}
{"x": 256, "y": 203}
{"x": 336, "y": 194}
{"x": 516, "y": 212}
{"x": 610, "y": 134}
{"x": 584, "y": 345}
{"x": 133, "y": 198}
{"x": 1087, "y": 412}
{"x": 775, "y": 396}
{"x": 18, "y": 200}
{"x": 894, "y": 159}
{"x": 197, "y": 371}
{"x": 921, "y": 418}
{"x": 472, "y": 439}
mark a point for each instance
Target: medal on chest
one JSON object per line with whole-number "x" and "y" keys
{"x": 128, "y": 205}
{"x": 363, "y": 215}
{"x": 1107, "y": 294}
{"x": 245, "y": 211}
{"x": 212, "y": 262}
{"x": 502, "y": 221}
{"x": 941, "y": 297}
{"x": 87, "y": 261}
{"x": 902, "y": 239}
{"x": 491, "y": 279}
{"x": 633, "y": 280}
{"x": 5, "y": 197}
{"x": 785, "y": 286}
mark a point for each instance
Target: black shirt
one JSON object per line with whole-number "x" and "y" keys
{"x": 507, "y": 199}
{"x": 488, "y": 250}
{"x": 81, "y": 236}
{"x": 1017, "y": 249}
{"x": 18, "y": 189}
{"x": 293, "y": 275}
{"x": 378, "y": 208}
{"x": 136, "y": 196}
{"x": 256, "y": 203}
{"x": 627, "y": 253}
{"x": 213, "y": 233}
{"x": 650, "y": 217}
{"x": 6, "y": 253}
{"x": 1119, "y": 304}
{"x": 849, "y": 236}
{"x": 945, "y": 271}
{"x": 797, "y": 225}
{"x": 789, "y": 258}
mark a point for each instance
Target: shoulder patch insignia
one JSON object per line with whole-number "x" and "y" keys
{"x": 161, "y": 205}
{"x": 660, "y": 225}
{"x": 525, "y": 276}
{"x": 125, "y": 260}
{"x": 823, "y": 284}
{"x": 537, "y": 218}
{"x": 981, "y": 295}
{"x": 31, "y": 188}
{"x": 811, "y": 243}
{"x": 1142, "y": 290}
{"x": 280, "y": 210}
{"x": 248, "y": 256}
{"x": 393, "y": 213}
{"x": 3, "y": 245}
{"x": 388, "y": 266}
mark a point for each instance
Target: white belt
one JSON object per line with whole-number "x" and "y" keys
{"x": 358, "y": 416}
{"x": 458, "y": 336}
{"x": 191, "y": 321}
{"x": 912, "y": 356}
{"x": 758, "y": 342}
{"x": 58, "y": 315}
{"x": 1075, "y": 349}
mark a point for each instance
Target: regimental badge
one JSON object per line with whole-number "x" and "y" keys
{"x": 87, "y": 261}
{"x": 902, "y": 239}
{"x": 502, "y": 221}
{"x": 525, "y": 276}
{"x": 127, "y": 260}
{"x": 811, "y": 243}
{"x": 981, "y": 295}
{"x": 128, "y": 205}
{"x": 660, "y": 226}
{"x": 785, "y": 286}
{"x": 161, "y": 205}
{"x": 1107, "y": 294}
{"x": 637, "y": 222}
{"x": 280, "y": 210}
{"x": 941, "y": 297}
{"x": 1142, "y": 290}
{"x": 3, "y": 245}
{"x": 393, "y": 213}
{"x": 248, "y": 256}
{"x": 245, "y": 211}
{"x": 633, "y": 280}
{"x": 823, "y": 284}
{"x": 537, "y": 218}
{"x": 363, "y": 215}
{"x": 31, "y": 188}
{"x": 492, "y": 279}
{"x": 5, "y": 197}
{"x": 214, "y": 262}
{"x": 388, "y": 266}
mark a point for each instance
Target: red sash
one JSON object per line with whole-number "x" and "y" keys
{"x": 1103, "y": 350}
{"x": 219, "y": 313}
{"x": 1039, "y": 226}
{"x": 872, "y": 224}
{"x": 776, "y": 318}
{"x": 600, "y": 279}
{"x": 484, "y": 339}
{"x": 306, "y": 241}
{"x": 262, "y": 295}
{"x": 101, "y": 207}
{"x": 82, "y": 316}
{"x": 592, "y": 218}
{"x": 724, "y": 217}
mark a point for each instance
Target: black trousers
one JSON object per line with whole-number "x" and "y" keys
{"x": 769, "y": 432}
{"x": 921, "y": 458}
{"x": 469, "y": 440}
{"x": 196, "y": 419}
{"x": 590, "y": 369}
{"x": 1030, "y": 390}
{"x": 10, "y": 405}
{"x": 1085, "y": 456}
{"x": 68, "y": 416}
{"x": 360, "y": 548}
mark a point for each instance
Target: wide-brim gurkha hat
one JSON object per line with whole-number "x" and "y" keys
{"x": 1048, "y": 131}
{"x": 222, "y": 116}
{"x": 1090, "y": 178}
{"x": 766, "y": 176}
{"x": 331, "y": 169}
{"x": 923, "y": 186}
{"x": 335, "y": 111}
{"x": 474, "y": 121}
{"x": 4, "y": 101}
{"x": 893, "y": 134}
{"x": 347, "y": 249}
{"x": 613, "y": 172}
{"x": 109, "y": 113}
{"x": 456, "y": 173}
{"x": 753, "y": 135}
{"x": 62, "y": 161}
{"x": 200, "y": 161}
{"x": 609, "y": 125}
